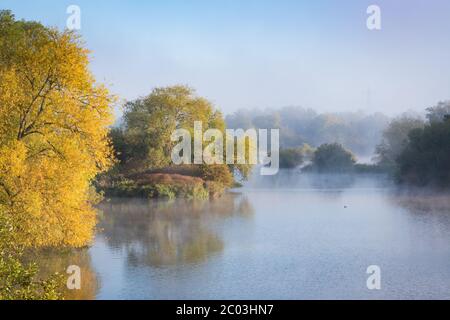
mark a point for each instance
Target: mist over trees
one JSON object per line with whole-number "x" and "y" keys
{"x": 425, "y": 157}
{"x": 395, "y": 138}
{"x": 333, "y": 158}
{"x": 356, "y": 131}
{"x": 143, "y": 146}
{"x": 144, "y": 139}
{"x": 439, "y": 112}
{"x": 417, "y": 150}
{"x": 291, "y": 158}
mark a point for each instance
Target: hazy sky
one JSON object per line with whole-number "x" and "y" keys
{"x": 245, "y": 54}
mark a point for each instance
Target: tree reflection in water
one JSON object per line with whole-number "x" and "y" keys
{"x": 152, "y": 233}
{"x": 164, "y": 233}
{"x": 51, "y": 261}
{"x": 421, "y": 201}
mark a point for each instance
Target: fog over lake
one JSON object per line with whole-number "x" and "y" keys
{"x": 289, "y": 236}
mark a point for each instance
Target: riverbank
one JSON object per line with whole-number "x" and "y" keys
{"x": 167, "y": 183}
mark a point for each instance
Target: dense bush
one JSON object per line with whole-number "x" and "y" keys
{"x": 156, "y": 185}
{"x": 294, "y": 157}
{"x": 143, "y": 144}
{"x": 19, "y": 281}
{"x": 426, "y": 158}
{"x": 291, "y": 158}
{"x": 144, "y": 141}
{"x": 54, "y": 121}
{"x": 395, "y": 139}
{"x": 333, "y": 158}
{"x": 218, "y": 173}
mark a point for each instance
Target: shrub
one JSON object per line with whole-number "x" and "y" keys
{"x": 426, "y": 158}
{"x": 291, "y": 158}
{"x": 218, "y": 173}
{"x": 157, "y": 185}
{"x": 17, "y": 280}
{"x": 333, "y": 158}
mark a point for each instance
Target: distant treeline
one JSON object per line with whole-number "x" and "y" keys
{"x": 417, "y": 151}
{"x": 412, "y": 148}
{"x": 356, "y": 131}
{"x": 327, "y": 158}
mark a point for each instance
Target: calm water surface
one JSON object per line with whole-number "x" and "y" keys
{"x": 286, "y": 237}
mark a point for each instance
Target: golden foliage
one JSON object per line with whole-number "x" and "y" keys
{"x": 54, "y": 123}
{"x": 150, "y": 122}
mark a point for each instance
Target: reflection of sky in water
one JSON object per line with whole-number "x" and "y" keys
{"x": 305, "y": 238}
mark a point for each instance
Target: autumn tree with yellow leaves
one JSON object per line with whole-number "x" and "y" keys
{"x": 54, "y": 122}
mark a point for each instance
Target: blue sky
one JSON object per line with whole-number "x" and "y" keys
{"x": 245, "y": 54}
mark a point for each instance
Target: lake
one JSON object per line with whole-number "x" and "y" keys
{"x": 289, "y": 236}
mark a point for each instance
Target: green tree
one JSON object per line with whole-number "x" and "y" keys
{"x": 143, "y": 142}
{"x": 54, "y": 121}
{"x": 291, "y": 158}
{"x": 150, "y": 121}
{"x": 19, "y": 281}
{"x": 333, "y": 158}
{"x": 438, "y": 112}
{"x": 426, "y": 158}
{"x": 395, "y": 139}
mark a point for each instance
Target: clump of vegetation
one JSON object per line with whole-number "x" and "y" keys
{"x": 294, "y": 157}
{"x": 54, "y": 123}
{"x": 332, "y": 158}
{"x": 426, "y": 158}
{"x": 19, "y": 281}
{"x": 156, "y": 185}
{"x": 144, "y": 140}
{"x": 217, "y": 173}
{"x": 418, "y": 152}
{"x": 395, "y": 139}
{"x": 217, "y": 178}
{"x": 439, "y": 112}
{"x": 143, "y": 145}
{"x": 291, "y": 158}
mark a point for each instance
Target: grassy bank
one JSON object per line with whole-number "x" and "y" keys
{"x": 169, "y": 183}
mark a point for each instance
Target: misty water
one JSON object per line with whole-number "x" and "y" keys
{"x": 290, "y": 236}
